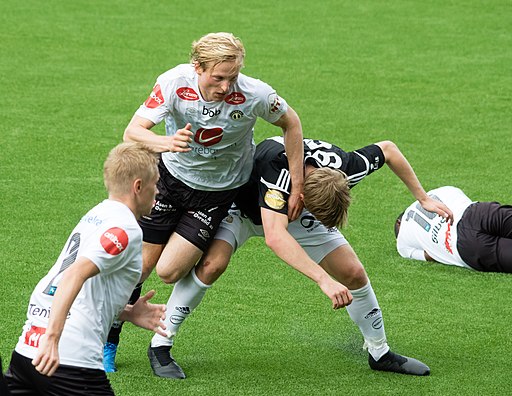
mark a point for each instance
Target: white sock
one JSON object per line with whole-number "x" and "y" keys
{"x": 185, "y": 297}
{"x": 366, "y": 313}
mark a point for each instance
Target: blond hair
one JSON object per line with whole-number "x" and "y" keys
{"x": 127, "y": 162}
{"x": 215, "y": 48}
{"x": 327, "y": 196}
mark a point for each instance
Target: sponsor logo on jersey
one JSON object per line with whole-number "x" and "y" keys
{"x": 114, "y": 240}
{"x": 208, "y": 137}
{"x": 33, "y": 336}
{"x": 210, "y": 112}
{"x": 275, "y": 199}
{"x": 155, "y": 98}
{"x": 187, "y": 93}
{"x": 235, "y": 98}
{"x": 236, "y": 114}
{"x": 275, "y": 103}
{"x": 448, "y": 239}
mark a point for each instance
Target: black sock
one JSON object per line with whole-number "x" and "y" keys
{"x": 117, "y": 326}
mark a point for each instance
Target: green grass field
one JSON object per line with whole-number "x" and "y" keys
{"x": 434, "y": 77}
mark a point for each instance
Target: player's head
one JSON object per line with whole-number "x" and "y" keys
{"x": 397, "y": 224}
{"x": 215, "y": 48}
{"x": 132, "y": 166}
{"x": 327, "y": 196}
{"x": 217, "y": 60}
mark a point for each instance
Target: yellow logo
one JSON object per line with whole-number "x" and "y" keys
{"x": 275, "y": 199}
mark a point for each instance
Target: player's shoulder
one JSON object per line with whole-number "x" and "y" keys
{"x": 252, "y": 86}
{"x": 180, "y": 72}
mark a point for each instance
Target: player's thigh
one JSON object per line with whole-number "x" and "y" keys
{"x": 177, "y": 259}
{"x": 344, "y": 265}
{"x": 150, "y": 254}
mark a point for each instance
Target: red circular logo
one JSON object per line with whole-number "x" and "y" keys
{"x": 114, "y": 240}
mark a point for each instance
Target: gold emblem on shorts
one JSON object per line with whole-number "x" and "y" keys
{"x": 275, "y": 199}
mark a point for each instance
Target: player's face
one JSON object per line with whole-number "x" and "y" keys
{"x": 216, "y": 83}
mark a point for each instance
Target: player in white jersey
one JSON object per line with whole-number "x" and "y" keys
{"x": 71, "y": 309}
{"x": 480, "y": 237}
{"x": 261, "y": 210}
{"x": 210, "y": 110}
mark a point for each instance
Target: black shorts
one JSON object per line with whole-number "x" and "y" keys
{"x": 484, "y": 237}
{"x": 23, "y": 379}
{"x": 193, "y": 214}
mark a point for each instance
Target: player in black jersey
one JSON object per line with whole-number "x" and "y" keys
{"x": 262, "y": 210}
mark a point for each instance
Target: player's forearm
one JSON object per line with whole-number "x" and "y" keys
{"x": 294, "y": 146}
{"x": 288, "y": 250}
{"x": 403, "y": 169}
{"x": 137, "y": 133}
{"x": 66, "y": 293}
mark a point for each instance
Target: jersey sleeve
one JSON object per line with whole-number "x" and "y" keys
{"x": 157, "y": 105}
{"x": 270, "y": 106}
{"x": 111, "y": 247}
{"x": 411, "y": 253}
{"x": 363, "y": 162}
{"x": 274, "y": 188}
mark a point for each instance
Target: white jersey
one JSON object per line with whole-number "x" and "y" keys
{"x": 223, "y": 144}
{"x": 422, "y": 231}
{"x": 110, "y": 237}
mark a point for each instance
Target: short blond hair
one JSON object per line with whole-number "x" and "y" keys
{"x": 327, "y": 196}
{"x": 215, "y": 48}
{"x": 127, "y": 162}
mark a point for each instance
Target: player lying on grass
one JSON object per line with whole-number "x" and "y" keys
{"x": 480, "y": 237}
{"x": 71, "y": 309}
{"x": 261, "y": 209}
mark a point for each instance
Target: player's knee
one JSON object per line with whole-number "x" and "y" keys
{"x": 210, "y": 269}
{"x": 356, "y": 277}
{"x": 168, "y": 275}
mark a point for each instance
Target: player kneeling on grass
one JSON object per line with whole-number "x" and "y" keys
{"x": 261, "y": 209}
{"x": 71, "y": 310}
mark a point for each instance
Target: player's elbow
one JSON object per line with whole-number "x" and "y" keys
{"x": 127, "y": 135}
{"x": 388, "y": 147}
{"x": 273, "y": 241}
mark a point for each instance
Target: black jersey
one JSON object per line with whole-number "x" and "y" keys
{"x": 270, "y": 184}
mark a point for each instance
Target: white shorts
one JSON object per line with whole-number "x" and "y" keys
{"x": 316, "y": 239}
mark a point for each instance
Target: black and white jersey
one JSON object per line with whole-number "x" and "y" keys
{"x": 270, "y": 183}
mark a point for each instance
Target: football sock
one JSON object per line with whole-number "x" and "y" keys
{"x": 366, "y": 313}
{"x": 117, "y": 326}
{"x": 185, "y": 297}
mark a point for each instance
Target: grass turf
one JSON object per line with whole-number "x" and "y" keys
{"x": 433, "y": 77}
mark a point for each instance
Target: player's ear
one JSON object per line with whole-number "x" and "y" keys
{"x": 137, "y": 185}
{"x": 301, "y": 197}
{"x": 198, "y": 68}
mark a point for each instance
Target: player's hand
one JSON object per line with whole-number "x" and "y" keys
{"x": 47, "y": 356}
{"x": 148, "y": 316}
{"x": 338, "y": 293}
{"x": 180, "y": 140}
{"x": 440, "y": 208}
{"x": 295, "y": 205}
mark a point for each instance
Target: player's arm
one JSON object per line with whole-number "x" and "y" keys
{"x": 73, "y": 278}
{"x": 277, "y": 238}
{"x": 294, "y": 146}
{"x": 401, "y": 167}
{"x": 139, "y": 130}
